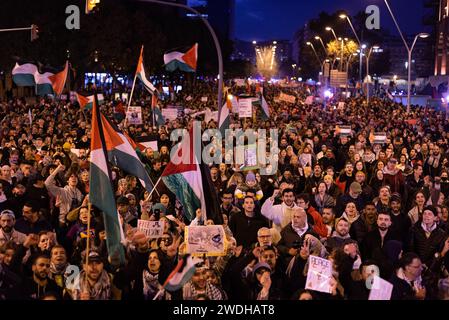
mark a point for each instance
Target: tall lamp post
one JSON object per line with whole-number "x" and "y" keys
{"x": 318, "y": 38}
{"x": 346, "y": 17}
{"x": 214, "y": 37}
{"x": 409, "y": 50}
{"x": 368, "y": 56}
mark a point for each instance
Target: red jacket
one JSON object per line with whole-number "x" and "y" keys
{"x": 318, "y": 226}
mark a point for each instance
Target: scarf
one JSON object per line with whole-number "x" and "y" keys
{"x": 350, "y": 220}
{"x": 301, "y": 231}
{"x": 428, "y": 231}
{"x": 151, "y": 285}
{"x": 336, "y": 235}
{"x": 101, "y": 289}
{"x": 434, "y": 161}
{"x": 417, "y": 284}
{"x": 58, "y": 269}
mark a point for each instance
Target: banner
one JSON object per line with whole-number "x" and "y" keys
{"x": 319, "y": 274}
{"x": 380, "y": 137}
{"x": 134, "y": 115}
{"x": 287, "y": 98}
{"x": 152, "y": 229}
{"x": 245, "y": 108}
{"x": 208, "y": 240}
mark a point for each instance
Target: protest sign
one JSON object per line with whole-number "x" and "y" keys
{"x": 245, "y": 108}
{"x": 341, "y": 105}
{"x": 380, "y": 137}
{"x": 381, "y": 289}
{"x": 309, "y": 100}
{"x": 319, "y": 274}
{"x": 343, "y": 130}
{"x": 152, "y": 229}
{"x": 203, "y": 99}
{"x": 287, "y": 98}
{"x": 134, "y": 115}
{"x": 170, "y": 113}
{"x": 208, "y": 240}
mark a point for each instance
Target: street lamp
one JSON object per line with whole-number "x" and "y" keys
{"x": 322, "y": 43}
{"x": 368, "y": 56}
{"x": 346, "y": 17}
{"x": 409, "y": 50}
{"x": 314, "y": 51}
{"x": 333, "y": 32}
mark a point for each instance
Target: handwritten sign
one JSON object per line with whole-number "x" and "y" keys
{"x": 245, "y": 108}
{"x": 319, "y": 274}
{"x": 152, "y": 229}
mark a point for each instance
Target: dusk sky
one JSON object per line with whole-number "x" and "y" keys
{"x": 279, "y": 19}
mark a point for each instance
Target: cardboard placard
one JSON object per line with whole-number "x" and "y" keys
{"x": 245, "y": 108}
{"x": 208, "y": 240}
{"x": 152, "y": 229}
{"x": 170, "y": 113}
{"x": 203, "y": 99}
{"x": 309, "y": 100}
{"x": 319, "y": 274}
{"x": 381, "y": 289}
{"x": 134, "y": 115}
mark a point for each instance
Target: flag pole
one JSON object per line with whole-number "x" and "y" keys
{"x": 134, "y": 82}
{"x": 89, "y": 207}
{"x": 154, "y": 188}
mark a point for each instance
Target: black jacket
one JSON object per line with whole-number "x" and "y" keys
{"x": 425, "y": 247}
{"x": 372, "y": 243}
{"x": 401, "y": 289}
{"x": 245, "y": 228}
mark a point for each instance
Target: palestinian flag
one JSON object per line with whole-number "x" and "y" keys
{"x": 23, "y": 75}
{"x": 184, "y": 61}
{"x": 140, "y": 73}
{"x": 190, "y": 182}
{"x": 123, "y": 155}
{"x": 158, "y": 117}
{"x": 182, "y": 273}
{"x": 87, "y": 102}
{"x": 224, "y": 119}
{"x": 264, "y": 104}
{"x": 101, "y": 193}
{"x": 50, "y": 82}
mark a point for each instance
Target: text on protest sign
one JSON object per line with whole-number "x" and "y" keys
{"x": 170, "y": 113}
{"x": 245, "y": 108}
{"x": 152, "y": 229}
{"x": 208, "y": 240}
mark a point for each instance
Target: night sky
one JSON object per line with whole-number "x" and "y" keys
{"x": 280, "y": 19}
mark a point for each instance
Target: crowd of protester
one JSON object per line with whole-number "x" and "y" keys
{"x": 341, "y": 197}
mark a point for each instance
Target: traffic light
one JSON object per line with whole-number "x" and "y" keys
{"x": 34, "y": 32}
{"x": 90, "y": 5}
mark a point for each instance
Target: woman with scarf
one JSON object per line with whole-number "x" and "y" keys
{"x": 351, "y": 214}
{"x": 322, "y": 198}
{"x": 415, "y": 214}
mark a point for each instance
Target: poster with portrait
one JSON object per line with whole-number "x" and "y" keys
{"x": 208, "y": 240}
{"x": 152, "y": 229}
{"x": 319, "y": 274}
{"x": 134, "y": 115}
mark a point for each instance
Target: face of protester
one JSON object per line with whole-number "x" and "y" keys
{"x": 360, "y": 177}
{"x": 428, "y": 218}
{"x": 288, "y": 198}
{"x": 264, "y": 237}
{"x": 444, "y": 214}
{"x": 29, "y": 215}
{"x": 328, "y": 180}
{"x": 380, "y": 165}
{"x": 317, "y": 171}
{"x": 94, "y": 270}
{"x": 58, "y": 256}
{"x": 269, "y": 257}
{"x": 6, "y": 172}
{"x": 8, "y": 256}
{"x": 370, "y": 212}
{"x": 222, "y": 168}
{"x": 436, "y": 150}
{"x": 73, "y": 180}
{"x": 322, "y": 188}
{"x": 342, "y": 228}
{"x": 248, "y": 205}
{"x": 328, "y": 216}
{"x": 7, "y": 223}
{"x": 199, "y": 279}
{"x": 383, "y": 222}
{"x": 84, "y": 176}
{"x": 211, "y": 276}
{"x": 44, "y": 242}
{"x": 414, "y": 269}
{"x": 351, "y": 210}
{"x": 299, "y": 218}
{"x": 41, "y": 268}
{"x": 165, "y": 200}
{"x": 154, "y": 264}
{"x": 420, "y": 199}
{"x": 84, "y": 215}
{"x": 379, "y": 175}
{"x": 349, "y": 169}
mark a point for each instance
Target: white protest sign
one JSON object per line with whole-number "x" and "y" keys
{"x": 287, "y": 98}
{"x": 245, "y": 108}
{"x": 381, "y": 289}
{"x": 170, "y": 113}
{"x": 341, "y": 106}
{"x": 380, "y": 137}
{"x": 309, "y": 100}
{"x": 319, "y": 274}
{"x": 152, "y": 229}
{"x": 134, "y": 115}
{"x": 203, "y": 99}
{"x": 207, "y": 240}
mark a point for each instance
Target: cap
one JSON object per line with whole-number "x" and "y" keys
{"x": 396, "y": 197}
{"x": 432, "y": 209}
{"x": 261, "y": 265}
{"x": 123, "y": 200}
{"x": 8, "y": 213}
{"x": 356, "y": 187}
{"x": 94, "y": 256}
